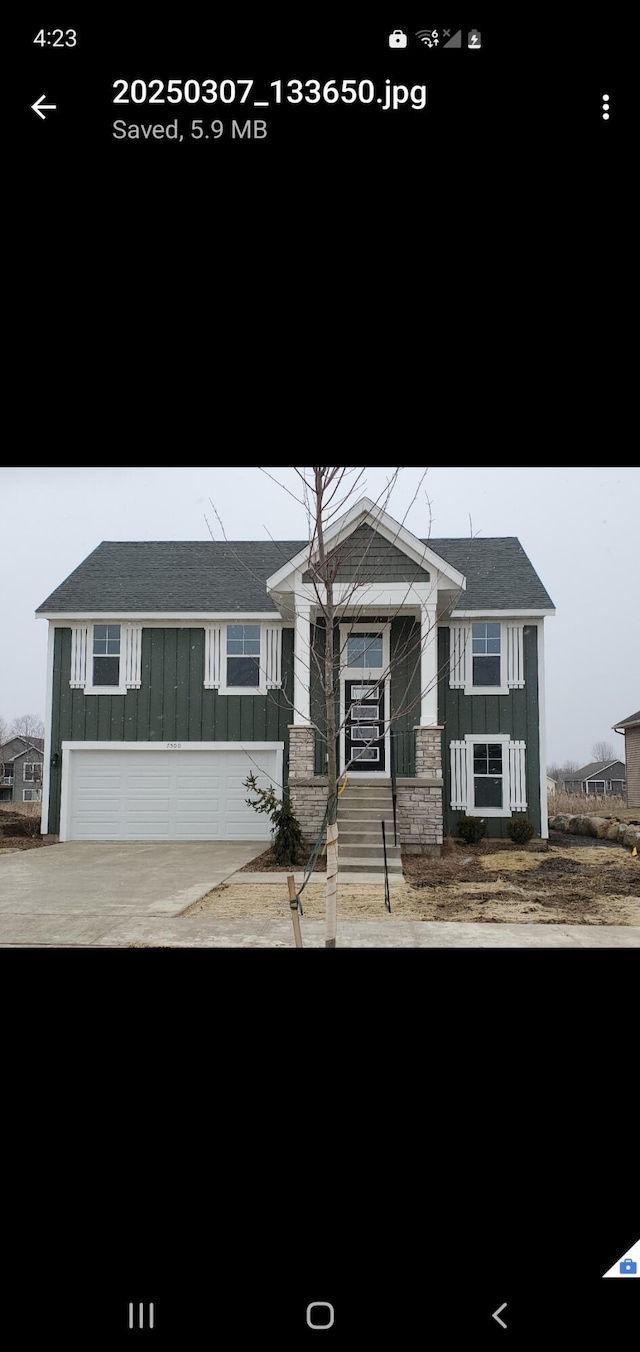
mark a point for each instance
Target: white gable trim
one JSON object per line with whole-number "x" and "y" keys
{"x": 365, "y": 512}
{"x": 502, "y": 614}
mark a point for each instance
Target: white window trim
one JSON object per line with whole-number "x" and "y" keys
{"x": 90, "y": 688}
{"x": 38, "y": 795}
{"x": 268, "y": 649}
{"x": 494, "y": 738}
{"x": 32, "y": 766}
{"x": 503, "y": 688}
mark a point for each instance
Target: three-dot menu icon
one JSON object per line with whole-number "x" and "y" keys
{"x": 605, "y": 107}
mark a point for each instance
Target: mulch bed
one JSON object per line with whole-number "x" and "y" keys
{"x": 265, "y": 863}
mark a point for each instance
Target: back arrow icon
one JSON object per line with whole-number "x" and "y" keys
{"x": 39, "y": 105}
{"x": 498, "y": 1312}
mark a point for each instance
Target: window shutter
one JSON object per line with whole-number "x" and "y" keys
{"x": 458, "y": 656}
{"x": 515, "y": 656}
{"x": 212, "y": 656}
{"x": 517, "y": 777}
{"x": 273, "y": 655}
{"x": 79, "y": 645}
{"x": 133, "y": 656}
{"x": 459, "y": 792}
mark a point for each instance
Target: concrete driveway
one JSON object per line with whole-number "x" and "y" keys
{"x": 81, "y": 893}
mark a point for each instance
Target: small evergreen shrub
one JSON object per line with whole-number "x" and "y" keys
{"x": 521, "y": 830}
{"x": 286, "y": 833}
{"x": 472, "y": 829}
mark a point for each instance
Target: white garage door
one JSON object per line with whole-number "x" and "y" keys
{"x": 164, "y": 795}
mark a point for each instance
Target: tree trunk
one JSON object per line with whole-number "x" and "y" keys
{"x": 332, "y": 776}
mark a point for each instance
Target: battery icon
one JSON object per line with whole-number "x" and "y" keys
{"x": 474, "y": 40}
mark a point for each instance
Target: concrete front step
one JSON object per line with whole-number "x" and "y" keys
{"x": 371, "y": 813}
{"x": 350, "y": 837}
{"x": 371, "y": 850}
{"x": 347, "y": 865}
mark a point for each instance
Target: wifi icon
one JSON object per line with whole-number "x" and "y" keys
{"x": 429, "y": 36}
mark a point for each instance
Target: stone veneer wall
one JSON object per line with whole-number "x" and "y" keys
{"x": 308, "y": 792}
{"x": 419, "y": 799}
{"x": 420, "y": 825}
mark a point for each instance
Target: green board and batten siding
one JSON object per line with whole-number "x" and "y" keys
{"x": 516, "y": 714}
{"x": 171, "y": 704}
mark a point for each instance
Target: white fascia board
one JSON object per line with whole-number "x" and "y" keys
{"x": 391, "y": 531}
{"x": 162, "y": 616}
{"x": 173, "y": 746}
{"x": 504, "y": 614}
{"x": 373, "y": 594}
{"x": 621, "y": 727}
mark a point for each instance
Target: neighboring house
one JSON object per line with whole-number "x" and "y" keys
{"x": 175, "y": 669}
{"x": 21, "y": 769}
{"x": 601, "y": 777}
{"x": 552, "y": 787}
{"x": 630, "y": 729}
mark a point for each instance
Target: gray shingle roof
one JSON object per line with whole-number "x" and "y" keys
{"x": 628, "y": 722}
{"x": 203, "y": 575}
{"x": 594, "y": 768}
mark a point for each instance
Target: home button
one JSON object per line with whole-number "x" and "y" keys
{"x": 320, "y": 1315}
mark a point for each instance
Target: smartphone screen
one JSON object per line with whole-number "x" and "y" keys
{"x": 247, "y": 229}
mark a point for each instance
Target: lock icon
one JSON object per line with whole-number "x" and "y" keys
{"x": 397, "y": 38}
{"x": 474, "y": 40}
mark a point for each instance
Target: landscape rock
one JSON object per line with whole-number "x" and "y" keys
{"x": 613, "y": 830}
{"x": 603, "y": 827}
{"x": 632, "y": 837}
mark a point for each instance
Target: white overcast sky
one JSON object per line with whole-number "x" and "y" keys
{"x": 580, "y": 528}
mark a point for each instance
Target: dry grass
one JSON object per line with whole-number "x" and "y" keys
{"x": 564, "y": 885}
{"x": 591, "y": 805}
{"x": 23, "y": 809}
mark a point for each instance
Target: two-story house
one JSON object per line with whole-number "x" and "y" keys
{"x": 21, "y": 769}
{"x": 175, "y": 669}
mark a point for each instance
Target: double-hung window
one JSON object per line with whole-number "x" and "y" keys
{"x": 106, "y": 655}
{"x": 32, "y": 772}
{"x": 486, "y": 643}
{"x": 488, "y": 775}
{"x": 243, "y": 657}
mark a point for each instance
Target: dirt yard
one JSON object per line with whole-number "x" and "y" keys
{"x": 566, "y": 884}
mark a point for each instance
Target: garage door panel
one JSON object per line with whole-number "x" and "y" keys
{"x": 160, "y": 795}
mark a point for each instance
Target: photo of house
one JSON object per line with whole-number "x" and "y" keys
{"x": 177, "y": 668}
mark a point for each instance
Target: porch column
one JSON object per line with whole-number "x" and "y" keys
{"x": 428, "y": 667}
{"x": 302, "y": 668}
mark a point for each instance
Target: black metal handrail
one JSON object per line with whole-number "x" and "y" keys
{"x": 387, "y": 894}
{"x": 394, "y": 786}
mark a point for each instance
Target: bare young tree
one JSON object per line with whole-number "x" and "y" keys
{"x": 27, "y": 725}
{"x": 604, "y": 751}
{"x": 4, "y": 731}
{"x": 326, "y": 493}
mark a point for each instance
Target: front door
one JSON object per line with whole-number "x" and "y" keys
{"x": 364, "y": 745}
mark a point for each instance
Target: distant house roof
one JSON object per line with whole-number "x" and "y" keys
{"x": 595, "y": 769}
{"x": 28, "y": 744}
{"x": 207, "y": 576}
{"x": 628, "y": 722}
